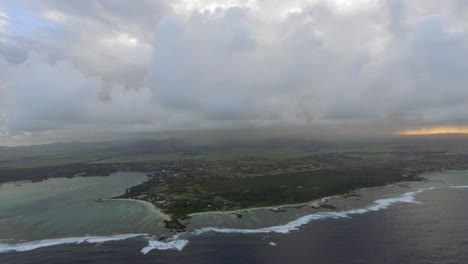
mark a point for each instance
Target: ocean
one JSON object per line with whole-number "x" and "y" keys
{"x": 406, "y": 223}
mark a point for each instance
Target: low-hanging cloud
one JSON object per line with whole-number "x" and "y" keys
{"x": 115, "y": 66}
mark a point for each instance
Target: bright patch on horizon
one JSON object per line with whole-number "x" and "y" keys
{"x": 435, "y": 130}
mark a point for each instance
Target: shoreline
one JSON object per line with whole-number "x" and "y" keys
{"x": 313, "y": 203}
{"x": 153, "y": 208}
{"x": 16, "y": 182}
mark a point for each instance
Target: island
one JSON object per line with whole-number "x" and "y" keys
{"x": 184, "y": 179}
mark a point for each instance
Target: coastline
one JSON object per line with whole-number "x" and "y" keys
{"x": 313, "y": 203}
{"x": 316, "y": 204}
{"x": 156, "y": 210}
{"x": 16, "y": 182}
{"x": 321, "y": 201}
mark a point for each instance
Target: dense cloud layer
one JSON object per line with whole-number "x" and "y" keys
{"x": 70, "y": 67}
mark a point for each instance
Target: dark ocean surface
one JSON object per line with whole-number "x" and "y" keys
{"x": 431, "y": 229}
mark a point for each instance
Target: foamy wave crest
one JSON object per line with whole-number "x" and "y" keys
{"x": 174, "y": 243}
{"x": 294, "y": 225}
{"x": 26, "y": 246}
{"x": 459, "y": 187}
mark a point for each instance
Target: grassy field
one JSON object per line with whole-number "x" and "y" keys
{"x": 155, "y": 151}
{"x": 223, "y": 155}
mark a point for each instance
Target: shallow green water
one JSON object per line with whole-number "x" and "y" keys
{"x": 68, "y": 207}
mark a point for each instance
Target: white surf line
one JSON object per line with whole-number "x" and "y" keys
{"x": 459, "y": 187}
{"x": 31, "y": 245}
{"x": 294, "y": 225}
{"x": 178, "y": 243}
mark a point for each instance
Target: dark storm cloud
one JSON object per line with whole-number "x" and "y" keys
{"x": 115, "y": 66}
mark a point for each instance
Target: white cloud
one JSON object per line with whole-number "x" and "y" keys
{"x": 3, "y": 21}
{"x": 184, "y": 64}
{"x": 55, "y": 16}
{"x": 187, "y": 7}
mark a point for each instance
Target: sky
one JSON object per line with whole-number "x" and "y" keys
{"x": 75, "y": 70}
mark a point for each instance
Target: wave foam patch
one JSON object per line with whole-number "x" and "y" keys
{"x": 459, "y": 187}
{"x": 27, "y": 246}
{"x": 174, "y": 243}
{"x": 293, "y": 225}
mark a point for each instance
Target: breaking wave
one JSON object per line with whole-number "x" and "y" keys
{"x": 26, "y": 246}
{"x": 459, "y": 187}
{"x": 174, "y": 242}
{"x": 294, "y": 225}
